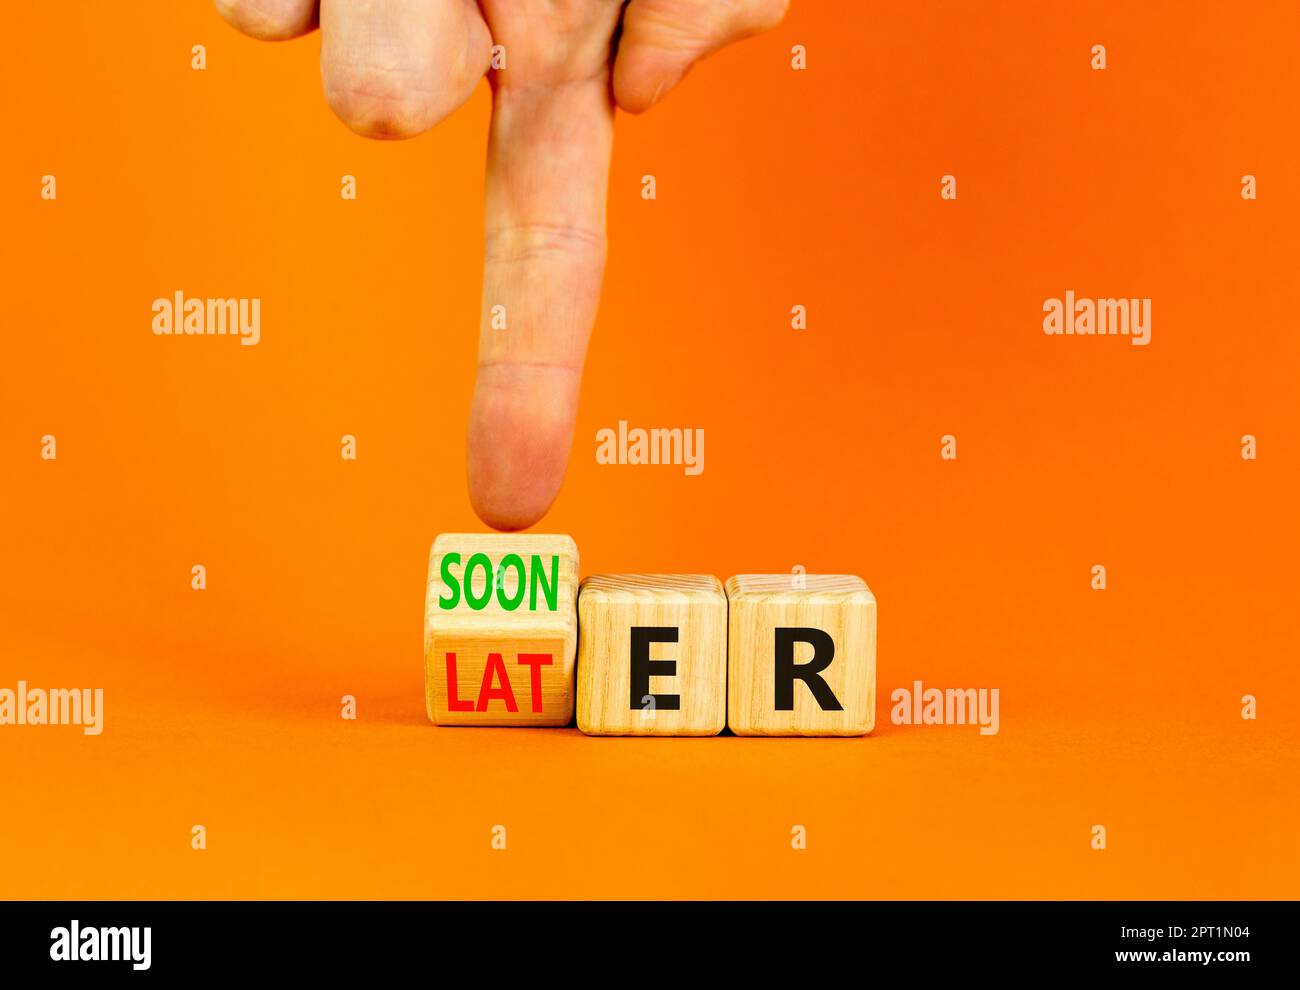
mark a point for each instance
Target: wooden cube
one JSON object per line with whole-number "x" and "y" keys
{"x": 801, "y": 655}
{"x": 652, "y": 655}
{"x": 500, "y": 629}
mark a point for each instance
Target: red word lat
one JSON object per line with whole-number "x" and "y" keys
{"x": 495, "y": 671}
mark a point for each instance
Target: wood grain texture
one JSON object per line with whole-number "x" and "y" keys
{"x": 841, "y": 605}
{"x": 609, "y": 606}
{"x": 472, "y": 635}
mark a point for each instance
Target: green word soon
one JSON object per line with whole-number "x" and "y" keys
{"x": 526, "y": 579}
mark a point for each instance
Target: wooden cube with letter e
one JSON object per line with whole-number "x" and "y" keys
{"x": 653, "y": 655}
{"x": 501, "y": 629}
{"x": 801, "y": 655}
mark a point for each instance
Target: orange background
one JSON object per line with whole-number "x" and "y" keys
{"x": 775, "y": 187}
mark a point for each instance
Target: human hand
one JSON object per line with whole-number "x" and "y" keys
{"x": 394, "y": 68}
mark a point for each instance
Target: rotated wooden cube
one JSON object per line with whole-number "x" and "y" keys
{"x": 501, "y": 629}
{"x": 652, "y": 655}
{"x": 801, "y": 655}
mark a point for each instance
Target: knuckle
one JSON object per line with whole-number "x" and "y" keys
{"x": 515, "y": 243}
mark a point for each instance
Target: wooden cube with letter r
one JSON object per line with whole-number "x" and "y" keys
{"x": 801, "y": 655}
{"x": 501, "y": 629}
{"x": 652, "y": 660}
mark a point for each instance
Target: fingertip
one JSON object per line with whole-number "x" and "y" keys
{"x": 395, "y": 78}
{"x": 269, "y": 20}
{"x": 505, "y": 513}
{"x": 503, "y": 502}
{"x": 520, "y": 431}
{"x": 662, "y": 39}
{"x": 640, "y": 83}
{"x": 377, "y": 102}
